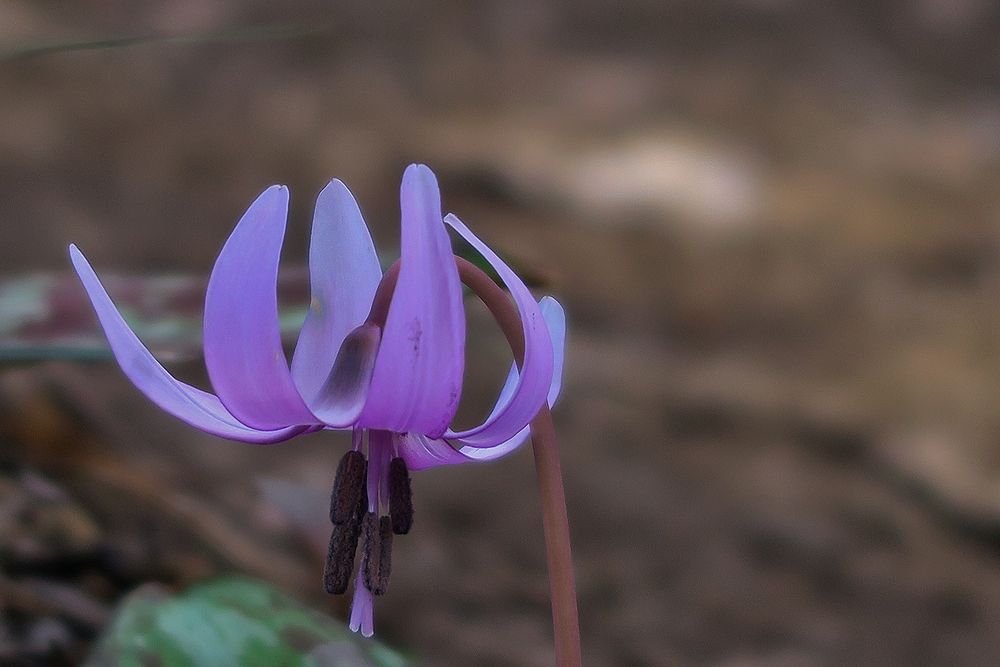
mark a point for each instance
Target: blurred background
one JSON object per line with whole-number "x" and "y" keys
{"x": 773, "y": 224}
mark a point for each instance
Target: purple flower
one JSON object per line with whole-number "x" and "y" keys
{"x": 386, "y": 363}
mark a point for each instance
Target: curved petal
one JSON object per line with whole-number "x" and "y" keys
{"x": 198, "y": 408}
{"x": 421, "y": 453}
{"x": 535, "y": 376}
{"x": 243, "y": 351}
{"x": 418, "y": 373}
{"x": 342, "y": 396}
{"x": 344, "y": 273}
{"x": 555, "y": 320}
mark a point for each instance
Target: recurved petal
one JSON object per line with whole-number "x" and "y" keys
{"x": 344, "y": 273}
{"x": 198, "y": 408}
{"x": 342, "y": 396}
{"x": 418, "y": 373}
{"x": 421, "y": 453}
{"x": 555, "y": 320}
{"x": 535, "y": 377}
{"x": 243, "y": 351}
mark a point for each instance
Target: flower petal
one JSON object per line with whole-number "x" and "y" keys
{"x": 344, "y": 273}
{"x": 418, "y": 373}
{"x": 421, "y": 453}
{"x": 198, "y": 408}
{"x": 243, "y": 351}
{"x": 555, "y": 321}
{"x": 342, "y": 396}
{"x": 535, "y": 376}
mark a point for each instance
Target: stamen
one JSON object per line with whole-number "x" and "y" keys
{"x": 400, "y": 497}
{"x": 348, "y": 487}
{"x": 377, "y": 564}
{"x": 343, "y": 546}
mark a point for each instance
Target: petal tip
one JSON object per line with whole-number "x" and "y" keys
{"x": 550, "y": 303}
{"x": 335, "y": 187}
{"x": 78, "y": 260}
{"x": 419, "y": 171}
{"x": 276, "y": 193}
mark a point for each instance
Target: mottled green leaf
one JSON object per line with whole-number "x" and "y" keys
{"x": 231, "y": 621}
{"x": 232, "y": 35}
{"x": 47, "y": 316}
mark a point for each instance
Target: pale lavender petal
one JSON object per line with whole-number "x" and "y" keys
{"x": 418, "y": 373}
{"x": 194, "y": 406}
{"x": 555, "y": 320}
{"x": 421, "y": 453}
{"x": 342, "y": 396}
{"x": 243, "y": 350}
{"x": 344, "y": 273}
{"x": 535, "y": 377}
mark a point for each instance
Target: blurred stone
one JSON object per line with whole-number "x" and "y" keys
{"x": 40, "y": 522}
{"x": 48, "y": 635}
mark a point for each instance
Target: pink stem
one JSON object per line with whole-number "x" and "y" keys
{"x": 555, "y": 521}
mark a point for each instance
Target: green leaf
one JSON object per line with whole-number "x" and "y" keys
{"x": 231, "y": 621}
{"x": 48, "y": 316}
{"x": 232, "y": 35}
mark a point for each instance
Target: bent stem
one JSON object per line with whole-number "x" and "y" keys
{"x": 555, "y": 521}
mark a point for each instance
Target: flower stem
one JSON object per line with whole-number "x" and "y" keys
{"x": 555, "y": 522}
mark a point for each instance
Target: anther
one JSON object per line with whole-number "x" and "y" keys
{"x": 348, "y": 487}
{"x": 343, "y": 546}
{"x": 377, "y": 564}
{"x": 400, "y": 497}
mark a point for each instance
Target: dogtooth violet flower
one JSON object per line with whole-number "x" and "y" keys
{"x": 380, "y": 355}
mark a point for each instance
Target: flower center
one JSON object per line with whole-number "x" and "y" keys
{"x": 371, "y": 501}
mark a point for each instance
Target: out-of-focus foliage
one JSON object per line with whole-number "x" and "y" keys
{"x": 236, "y": 35}
{"x": 44, "y": 316}
{"x": 48, "y": 317}
{"x": 231, "y": 622}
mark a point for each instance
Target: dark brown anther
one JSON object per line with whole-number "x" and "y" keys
{"x": 348, "y": 486}
{"x": 377, "y": 564}
{"x": 400, "y": 497}
{"x": 343, "y": 546}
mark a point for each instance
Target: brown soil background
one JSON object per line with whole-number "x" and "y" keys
{"x": 774, "y": 226}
